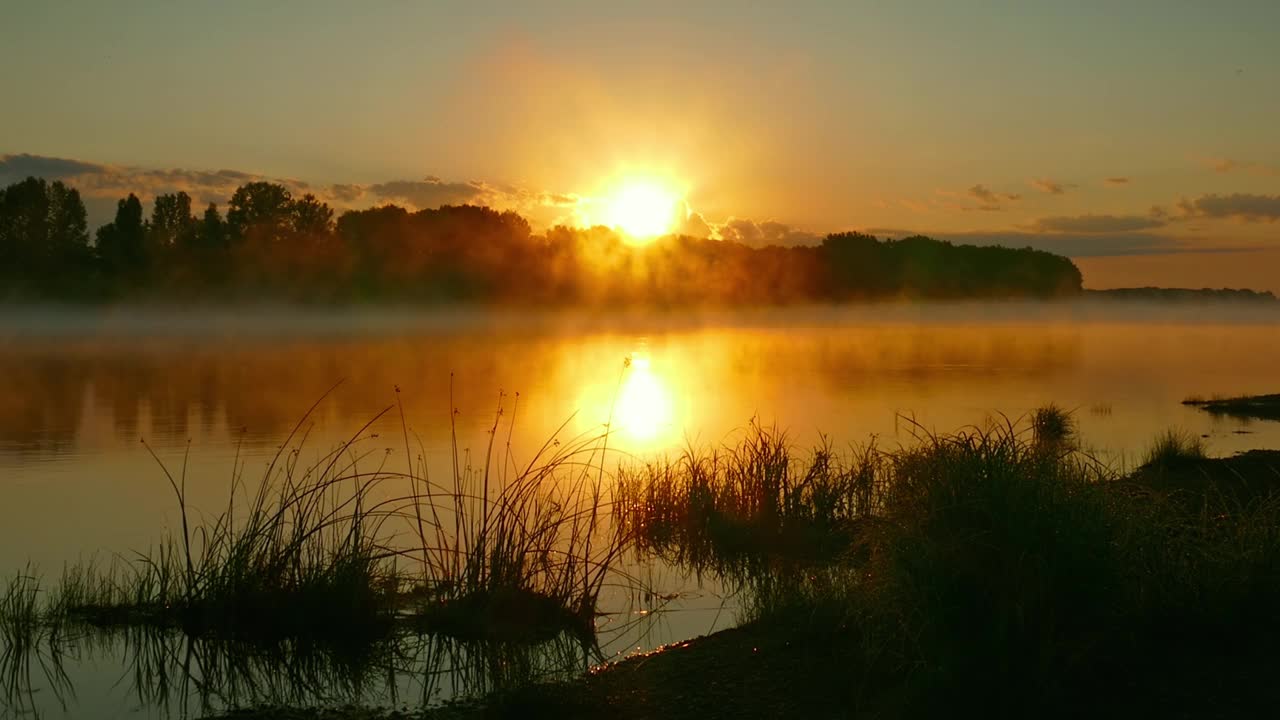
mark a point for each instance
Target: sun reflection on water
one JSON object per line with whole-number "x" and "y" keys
{"x": 643, "y": 409}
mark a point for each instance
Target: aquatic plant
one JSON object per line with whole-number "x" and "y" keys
{"x": 751, "y": 499}
{"x": 1052, "y": 425}
{"x": 526, "y": 555}
{"x": 314, "y": 553}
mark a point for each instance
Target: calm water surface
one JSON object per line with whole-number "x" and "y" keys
{"x": 80, "y": 391}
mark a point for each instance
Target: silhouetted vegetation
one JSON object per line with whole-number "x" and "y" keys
{"x": 1184, "y": 294}
{"x": 1246, "y": 407}
{"x": 1000, "y": 571}
{"x": 322, "y": 568}
{"x": 989, "y": 572}
{"x": 271, "y": 245}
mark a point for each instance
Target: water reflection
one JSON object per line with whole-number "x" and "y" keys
{"x": 171, "y": 675}
{"x": 74, "y": 396}
{"x": 644, "y": 402}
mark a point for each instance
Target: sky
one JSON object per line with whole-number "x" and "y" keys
{"x": 1137, "y": 137}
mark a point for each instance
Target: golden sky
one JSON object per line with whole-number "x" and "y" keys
{"x": 1137, "y": 137}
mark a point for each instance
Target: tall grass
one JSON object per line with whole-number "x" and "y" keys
{"x": 316, "y": 552}
{"x": 995, "y": 565}
{"x": 529, "y": 554}
{"x": 339, "y": 561}
{"x": 754, "y": 498}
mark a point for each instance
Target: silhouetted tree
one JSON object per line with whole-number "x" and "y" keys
{"x": 122, "y": 244}
{"x": 259, "y": 211}
{"x": 212, "y": 231}
{"x": 311, "y": 217}
{"x": 172, "y": 224}
{"x": 43, "y": 237}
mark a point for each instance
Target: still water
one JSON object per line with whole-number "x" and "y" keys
{"x": 87, "y": 396}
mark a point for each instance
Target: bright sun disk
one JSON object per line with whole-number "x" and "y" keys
{"x": 642, "y": 210}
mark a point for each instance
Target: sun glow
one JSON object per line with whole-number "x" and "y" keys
{"x": 643, "y": 409}
{"x": 642, "y": 209}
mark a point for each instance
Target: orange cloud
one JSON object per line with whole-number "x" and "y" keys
{"x": 1096, "y": 223}
{"x": 1051, "y": 187}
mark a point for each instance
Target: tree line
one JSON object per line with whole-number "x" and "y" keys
{"x": 270, "y": 244}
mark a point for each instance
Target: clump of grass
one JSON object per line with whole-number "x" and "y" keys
{"x": 752, "y": 499}
{"x": 520, "y": 556}
{"x": 1173, "y": 447}
{"x": 995, "y": 561}
{"x": 1051, "y": 425}
{"x": 300, "y": 559}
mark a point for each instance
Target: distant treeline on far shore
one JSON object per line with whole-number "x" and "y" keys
{"x": 1183, "y": 294}
{"x": 271, "y": 245}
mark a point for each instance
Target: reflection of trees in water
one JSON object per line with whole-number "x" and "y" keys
{"x": 185, "y": 677}
{"x": 263, "y": 386}
{"x": 42, "y": 405}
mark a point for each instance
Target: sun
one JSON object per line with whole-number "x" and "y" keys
{"x": 642, "y": 209}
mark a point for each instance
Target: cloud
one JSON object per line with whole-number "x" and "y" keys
{"x": 988, "y": 199}
{"x": 1069, "y": 244}
{"x": 1238, "y": 206}
{"x": 347, "y": 193}
{"x": 1227, "y": 165}
{"x": 763, "y": 234}
{"x": 102, "y": 185}
{"x": 694, "y": 224}
{"x": 431, "y": 192}
{"x": 984, "y": 194}
{"x": 1051, "y": 187}
{"x": 1096, "y": 224}
{"x": 14, "y": 168}
{"x": 1117, "y": 181}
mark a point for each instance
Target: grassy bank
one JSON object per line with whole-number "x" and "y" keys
{"x": 1001, "y": 570}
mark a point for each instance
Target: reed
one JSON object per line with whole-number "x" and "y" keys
{"x": 729, "y": 504}
{"x": 315, "y": 553}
